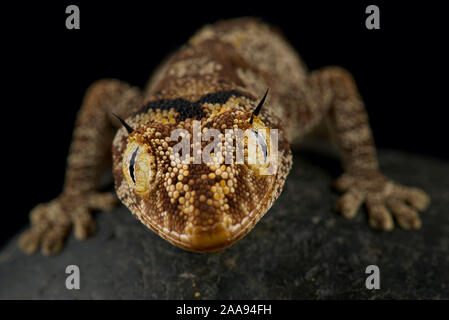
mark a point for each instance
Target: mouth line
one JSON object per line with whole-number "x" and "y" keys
{"x": 208, "y": 239}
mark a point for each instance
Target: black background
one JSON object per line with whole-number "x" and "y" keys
{"x": 400, "y": 71}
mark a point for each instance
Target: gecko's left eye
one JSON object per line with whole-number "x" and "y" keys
{"x": 139, "y": 167}
{"x": 262, "y": 143}
{"x": 258, "y": 149}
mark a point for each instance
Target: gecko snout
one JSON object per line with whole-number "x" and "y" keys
{"x": 207, "y": 239}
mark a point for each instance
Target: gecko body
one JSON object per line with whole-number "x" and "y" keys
{"x": 217, "y": 79}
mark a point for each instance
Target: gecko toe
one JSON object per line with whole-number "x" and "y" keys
{"x": 418, "y": 199}
{"x": 349, "y": 203}
{"x": 344, "y": 182}
{"x": 53, "y": 241}
{"x": 29, "y": 241}
{"x": 413, "y": 196}
{"x": 106, "y": 201}
{"x": 84, "y": 224}
{"x": 379, "y": 217}
{"x": 406, "y": 216}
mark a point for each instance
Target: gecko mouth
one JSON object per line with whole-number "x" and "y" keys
{"x": 209, "y": 239}
{"x": 214, "y": 238}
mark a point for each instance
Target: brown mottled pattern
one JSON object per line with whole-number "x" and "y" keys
{"x": 206, "y": 207}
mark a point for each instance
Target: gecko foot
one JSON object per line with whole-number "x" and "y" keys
{"x": 51, "y": 222}
{"x": 382, "y": 198}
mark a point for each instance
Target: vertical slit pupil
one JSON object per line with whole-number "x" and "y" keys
{"x": 131, "y": 164}
{"x": 262, "y": 143}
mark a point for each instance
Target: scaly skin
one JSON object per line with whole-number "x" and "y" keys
{"x": 217, "y": 78}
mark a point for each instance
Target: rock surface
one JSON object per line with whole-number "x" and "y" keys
{"x": 300, "y": 250}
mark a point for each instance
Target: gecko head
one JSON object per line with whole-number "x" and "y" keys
{"x": 198, "y": 200}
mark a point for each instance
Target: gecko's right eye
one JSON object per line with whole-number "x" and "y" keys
{"x": 139, "y": 167}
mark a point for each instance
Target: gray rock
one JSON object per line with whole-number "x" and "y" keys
{"x": 300, "y": 250}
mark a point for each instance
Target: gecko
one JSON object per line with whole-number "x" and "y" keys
{"x": 218, "y": 79}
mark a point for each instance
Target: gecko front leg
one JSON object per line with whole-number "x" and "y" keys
{"x": 91, "y": 146}
{"x": 334, "y": 90}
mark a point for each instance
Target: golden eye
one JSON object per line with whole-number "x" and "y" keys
{"x": 144, "y": 171}
{"x": 258, "y": 147}
{"x": 139, "y": 167}
{"x": 262, "y": 143}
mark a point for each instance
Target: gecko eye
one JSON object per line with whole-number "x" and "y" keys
{"x": 258, "y": 148}
{"x": 139, "y": 167}
{"x": 262, "y": 143}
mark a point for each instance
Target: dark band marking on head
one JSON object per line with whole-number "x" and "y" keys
{"x": 187, "y": 109}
